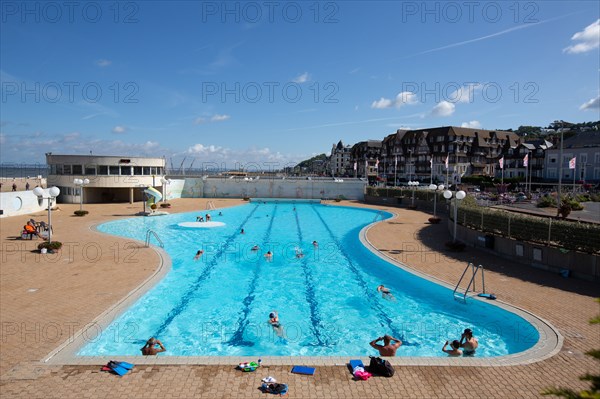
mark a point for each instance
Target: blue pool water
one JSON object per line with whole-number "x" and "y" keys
{"x": 327, "y": 300}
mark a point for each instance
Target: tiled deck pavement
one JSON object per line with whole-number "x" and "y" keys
{"x": 77, "y": 286}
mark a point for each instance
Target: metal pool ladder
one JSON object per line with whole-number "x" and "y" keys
{"x": 458, "y": 295}
{"x": 149, "y": 235}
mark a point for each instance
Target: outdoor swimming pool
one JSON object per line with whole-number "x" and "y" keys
{"x": 327, "y": 300}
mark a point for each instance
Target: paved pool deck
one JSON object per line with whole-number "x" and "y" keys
{"x": 44, "y": 300}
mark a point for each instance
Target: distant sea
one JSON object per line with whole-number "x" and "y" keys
{"x": 10, "y": 170}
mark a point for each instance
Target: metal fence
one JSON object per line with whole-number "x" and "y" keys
{"x": 564, "y": 234}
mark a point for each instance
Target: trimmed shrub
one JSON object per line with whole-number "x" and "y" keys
{"x": 546, "y": 202}
{"x": 165, "y": 205}
{"x": 54, "y": 245}
{"x": 80, "y": 213}
{"x": 583, "y": 237}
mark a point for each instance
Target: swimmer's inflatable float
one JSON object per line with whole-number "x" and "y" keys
{"x": 248, "y": 366}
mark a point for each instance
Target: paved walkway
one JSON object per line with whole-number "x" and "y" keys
{"x": 44, "y": 299}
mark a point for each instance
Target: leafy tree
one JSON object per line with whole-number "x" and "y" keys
{"x": 529, "y": 130}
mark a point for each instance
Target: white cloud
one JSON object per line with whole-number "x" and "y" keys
{"x": 403, "y": 98}
{"x": 471, "y": 124}
{"x": 443, "y": 108}
{"x": 102, "y": 63}
{"x": 219, "y": 118}
{"x": 588, "y": 39}
{"x": 303, "y": 78}
{"x": 210, "y": 119}
{"x": 465, "y": 94}
{"x": 382, "y": 103}
{"x": 261, "y": 158}
{"x": 119, "y": 129}
{"x": 593, "y": 104}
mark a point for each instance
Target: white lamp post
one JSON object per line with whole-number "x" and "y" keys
{"x": 435, "y": 190}
{"x": 459, "y": 195}
{"x": 414, "y": 185}
{"x": 165, "y": 183}
{"x": 81, "y": 183}
{"x": 53, "y": 193}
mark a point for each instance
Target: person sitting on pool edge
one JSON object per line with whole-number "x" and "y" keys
{"x": 454, "y": 351}
{"x": 386, "y": 293}
{"x": 150, "y": 348}
{"x": 470, "y": 342}
{"x": 387, "y": 349}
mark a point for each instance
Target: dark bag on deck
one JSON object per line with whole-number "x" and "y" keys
{"x": 378, "y": 366}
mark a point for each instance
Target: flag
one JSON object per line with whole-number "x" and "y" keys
{"x": 396, "y": 161}
{"x": 431, "y": 162}
{"x": 526, "y": 160}
{"x": 572, "y": 163}
{"x": 366, "y": 166}
{"x": 501, "y": 161}
{"x": 377, "y": 163}
{"x": 447, "y": 160}
{"x": 354, "y": 165}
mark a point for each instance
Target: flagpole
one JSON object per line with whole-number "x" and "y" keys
{"x": 574, "y": 170}
{"x": 447, "y": 168}
{"x": 431, "y": 166}
{"x": 526, "y": 169}
{"x": 395, "y": 169}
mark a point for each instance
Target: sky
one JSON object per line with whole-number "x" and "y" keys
{"x": 274, "y": 82}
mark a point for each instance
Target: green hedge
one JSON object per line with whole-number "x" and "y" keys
{"x": 566, "y": 234}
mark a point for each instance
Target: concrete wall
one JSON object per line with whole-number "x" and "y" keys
{"x": 22, "y": 203}
{"x": 266, "y": 188}
{"x": 580, "y": 265}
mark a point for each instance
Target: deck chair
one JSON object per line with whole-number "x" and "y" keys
{"x": 43, "y": 227}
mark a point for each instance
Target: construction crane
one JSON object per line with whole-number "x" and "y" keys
{"x": 181, "y": 171}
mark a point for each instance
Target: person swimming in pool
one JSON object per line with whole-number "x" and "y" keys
{"x": 255, "y": 248}
{"x": 208, "y": 217}
{"x": 274, "y": 322}
{"x": 220, "y": 213}
{"x": 198, "y": 254}
{"x": 199, "y": 219}
{"x": 150, "y": 348}
{"x": 315, "y": 244}
{"x": 242, "y": 232}
{"x": 470, "y": 342}
{"x": 454, "y": 348}
{"x": 299, "y": 254}
{"x": 387, "y": 349}
{"x": 386, "y": 293}
{"x": 269, "y": 255}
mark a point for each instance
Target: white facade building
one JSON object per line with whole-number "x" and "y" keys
{"x": 111, "y": 178}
